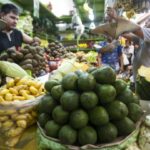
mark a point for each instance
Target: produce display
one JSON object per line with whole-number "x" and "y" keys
{"x": 90, "y": 107}
{"x": 28, "y": 57}
{"x": 55, "y": 50}
{"x": 143, "y": 83}
{"x": 18, "y": 101}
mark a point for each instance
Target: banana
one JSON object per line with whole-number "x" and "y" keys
{"x": 33, "y": 90}
{"x": 1, "y": 99}
{"x": 22, "y": 81}
{"x": 30, "y": 97}
{"x": 20, "y": 117}
{"x": 13, "y": 141}
{"x": 19, "y": 98}
{"x": 3, "y": 92}
{"x": 13, "y": 91}
{"x": 25, "y": 110}
{"x": 11, "y": 111}
{"x": 22, "y": 123}
{"x": 8, "y": 97}
{"x": 2, "y": 112}
{"x": 15, "y": 131}
{"x": 4, "y": 118}
{"x": 13, "y": 116}
{"x": 22, "y": 92}
{"x": 21, "y": 87}
{"x": 11, "y": 83}
{"x": 7, "y": 125}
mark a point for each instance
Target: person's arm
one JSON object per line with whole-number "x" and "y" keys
{"x": 124, "y": 25}
{"x": 28, "y": 40}
{"x": 110, "y": 47}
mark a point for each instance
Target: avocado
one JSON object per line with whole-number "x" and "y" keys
{"x": 52, "y": 128}
{"x": 70, "y": 100}
{"x": 117, "y": 110}
{"x": 88, "y": 100}
{"x": 106, "y": 93}
{"x": 57, "y": 91}
{"x": 98, "y": 116}
{"x": 105, "y": 75}
{"x": 78, "y": 119}
{"x": 59, "y": 115}
{"x": 86, "y": 82}
{"x": 67, "y": 135}
{"x": 107, "y": 133}
{"x": 69, "y": 81}
{"x": 87, "y": 135}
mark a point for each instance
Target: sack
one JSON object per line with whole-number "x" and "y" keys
{"x": 15, "y": 118}
{"x": 45, "y": 142}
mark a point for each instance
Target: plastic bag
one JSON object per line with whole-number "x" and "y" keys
{"x": 16, "y": 117}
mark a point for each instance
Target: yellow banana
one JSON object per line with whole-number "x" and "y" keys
{"x": 15, "y": 131}
{"x": 13, "y": 141}
{"x": 33, "y": 90}
{"x": 11, "y": 111}
{"x": 7, "y": 125}
{"x": 11, "y": 83}
{"x": 18, "y": 98}
{"x": 13, "y": 91}
{"x": 8, "y": 97}
{"x": 1, "y": 99}
{"x": 3, "y": 118}
{"x": 22, "y": 123}
{"x": 25, "y": 110}
{"x": 4, "y": 91}
{"x": 22, "y": 81}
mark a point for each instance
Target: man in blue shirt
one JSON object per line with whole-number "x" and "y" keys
{"x": 113, "y": 56}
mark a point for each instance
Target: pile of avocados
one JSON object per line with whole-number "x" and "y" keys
{"x": 90, "y": 107}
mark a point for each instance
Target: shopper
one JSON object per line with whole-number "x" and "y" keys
{"x": 128, "y": 50}
{"x": 10, "y": 36}
{"x": 111, "y": 54}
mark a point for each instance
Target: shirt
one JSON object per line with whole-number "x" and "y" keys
{"x": 8, "y": 40}
{"x": 142, "y": 56}
{"x": 111, "y": 57}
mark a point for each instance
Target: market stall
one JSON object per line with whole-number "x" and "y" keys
{"x": 57, "y": 95}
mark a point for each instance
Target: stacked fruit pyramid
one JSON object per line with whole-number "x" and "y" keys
{"x": 90, "y": 107}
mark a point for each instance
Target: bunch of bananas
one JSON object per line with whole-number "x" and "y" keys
{"x": 21, "y": 89}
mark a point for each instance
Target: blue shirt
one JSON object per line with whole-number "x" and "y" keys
{"x": 111, "y": 57}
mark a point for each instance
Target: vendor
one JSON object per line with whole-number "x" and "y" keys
{"x": 10, "y": 36}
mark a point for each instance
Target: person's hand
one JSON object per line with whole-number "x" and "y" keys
{"x": 36, "y": 41}
{"x": 111, "y": 12}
